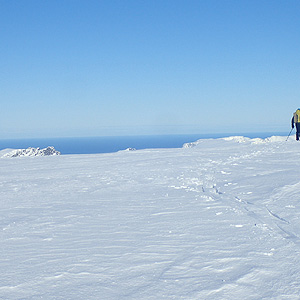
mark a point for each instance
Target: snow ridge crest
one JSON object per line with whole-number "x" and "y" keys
{"x": 241, "y": 139}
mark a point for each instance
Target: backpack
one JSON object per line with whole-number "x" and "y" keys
{"x": 297, "y": 116}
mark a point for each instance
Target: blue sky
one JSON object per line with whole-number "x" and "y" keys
{"x": 92, "y": 68}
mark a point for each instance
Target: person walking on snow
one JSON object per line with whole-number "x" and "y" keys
{"x": 296, "y": 121}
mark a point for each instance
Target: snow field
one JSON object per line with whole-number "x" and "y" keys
{"x": 218, "y": 220}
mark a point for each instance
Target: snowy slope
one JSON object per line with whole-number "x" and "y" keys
{"x": 219, "y": 220}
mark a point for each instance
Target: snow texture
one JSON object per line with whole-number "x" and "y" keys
{"x": 29, "y": 152}
{"x": 219, "y": 220}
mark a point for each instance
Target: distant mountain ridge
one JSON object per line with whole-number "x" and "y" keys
{"x": 29, "y": 152}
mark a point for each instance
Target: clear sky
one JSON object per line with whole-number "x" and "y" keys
{"x": 126, "y": 67}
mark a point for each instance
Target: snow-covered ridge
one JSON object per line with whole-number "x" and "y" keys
{"x": 128, "y": 149}
{"x": 242, "y": 139}
{"x": 29, "y": 152}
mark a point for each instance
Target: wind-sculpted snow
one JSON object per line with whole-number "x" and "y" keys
{"x": 216, "y": 221}
{"x": 30, "y": 152}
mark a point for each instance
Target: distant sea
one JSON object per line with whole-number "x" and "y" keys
{"x": 109, "y": 144}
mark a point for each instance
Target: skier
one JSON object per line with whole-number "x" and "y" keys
{"x": 296, "y": 121}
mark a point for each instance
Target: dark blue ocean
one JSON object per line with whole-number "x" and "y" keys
{"x": 109, "y": 144}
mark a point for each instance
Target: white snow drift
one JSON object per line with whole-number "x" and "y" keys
{"x": 219, "y": 220}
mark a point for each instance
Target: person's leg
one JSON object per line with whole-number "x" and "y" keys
{"x": 297, "y": 131}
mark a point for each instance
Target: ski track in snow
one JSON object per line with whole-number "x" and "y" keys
{"x": 216, "y": 221}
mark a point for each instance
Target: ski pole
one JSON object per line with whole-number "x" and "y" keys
{"x": 289, "y": 134}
